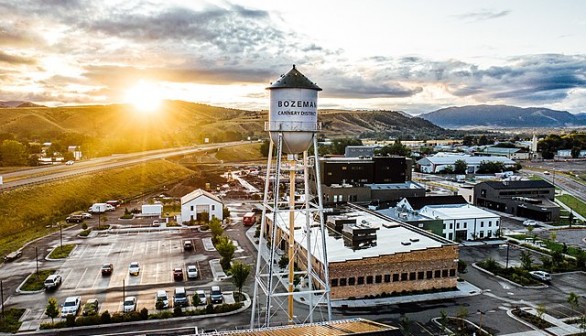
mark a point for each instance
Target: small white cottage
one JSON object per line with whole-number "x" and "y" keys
{"x": 200, "y": 201}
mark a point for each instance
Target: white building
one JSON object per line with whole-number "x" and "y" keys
{"x": 200, "y": 201}
{"x": 464, "y": 222}
{"x": 435, "y": 164}
{"x": 152, "y": 210}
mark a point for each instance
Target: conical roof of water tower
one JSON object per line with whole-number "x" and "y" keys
{"x": 294, "y": 80}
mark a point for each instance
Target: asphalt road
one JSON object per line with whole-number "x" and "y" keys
{"x": 48, "y": 173}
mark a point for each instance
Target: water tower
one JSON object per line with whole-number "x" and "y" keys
{"x": 292, "y": 260}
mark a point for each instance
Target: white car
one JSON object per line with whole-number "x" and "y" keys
{"x": 541, "y": 275}
{"x": 161, "y": 296}
{"x": 70, "y": 306}
{"x": 191, "y": 272}
{"x": 529, "y": 222}
{"x": 203, "y": 300}
{"x": 70, "y": 162}
{"x": 129, "y": 304}
{"x": 86, "y": 215}
{"x": 134, "y": 268}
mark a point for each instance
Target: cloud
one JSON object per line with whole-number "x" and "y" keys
{"x": 13, "y": 59}
{"x": 483, "y": 15}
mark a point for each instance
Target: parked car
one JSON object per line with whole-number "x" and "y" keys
{"x": 91, "y": 307}
{"x": 53, "y": 281}
{"x": 107, "y": 269}
{"x": 178, "y": 274}
{"x": 191, "y": 272}
{"x": 110, "y": 207}
{"x": 161, "y": 296}
{"x": 203, "y": 300}
{"x": 70, "y": 306}
{"x": 187, "y": 245}
{"x": 70, "y": 162}
{"x": 86, "y": 215}
{"x": 129, "y": 304}
{"x": 134, "y": 268}
{"x": 74, "y": 219}
{"x": 180, "y": 297}
{"x": 114, "y": 203}
{"x": 541, "y": 275}
{"x": 216, "y": 295}
{"x": 13, "y": 256}
{"x": 156, "y": 223}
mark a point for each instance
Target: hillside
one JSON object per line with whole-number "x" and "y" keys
{"x": 501, "y": 116}
{"x": 107, "y": 129}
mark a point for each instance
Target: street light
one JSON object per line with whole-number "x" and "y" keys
{"x": 507, "y": 264}
{"x": 478, "y": 311}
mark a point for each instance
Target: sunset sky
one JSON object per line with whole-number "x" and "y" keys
{"x": 413, "y": 56}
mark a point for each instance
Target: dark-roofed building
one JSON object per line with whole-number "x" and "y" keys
{"x": 363, "y": 179}
{"x": 530, "y": 199}
{"x": 416, "y": 203}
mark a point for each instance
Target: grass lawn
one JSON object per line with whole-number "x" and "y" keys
{"x": 574, "y": 203}
{"x": 10, "y": 323}
{"x": 35, "y": 281}
{"x": 246, "y": 152}
{"x": 61, "y": 252}
{"x": 23, "y": 220}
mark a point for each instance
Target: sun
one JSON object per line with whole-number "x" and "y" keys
{"x": 145, "y": 97}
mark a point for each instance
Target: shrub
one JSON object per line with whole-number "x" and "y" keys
{"x": 117, "y": 317}
{"x": 88, "y": 320}
{"x": 84, "y": 226}
{"x": 85, "y": 233}
{"x": 144, "y": 314}
{"x": 105, "y": 317}
{"x": 210, "y": 309}
{"x": 177, "y": 311}
{"x": 70, "y": 320}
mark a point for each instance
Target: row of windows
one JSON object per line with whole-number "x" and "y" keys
{"x": 465, "y": 225}
{"x": 395, "y": 277}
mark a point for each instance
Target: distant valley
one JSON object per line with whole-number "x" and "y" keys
{"x": 503, "y": 116}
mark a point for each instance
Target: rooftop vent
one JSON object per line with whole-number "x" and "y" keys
{"x": 405, "y": 243}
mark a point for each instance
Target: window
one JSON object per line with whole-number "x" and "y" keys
{"x": 378, "y": 279}
{"x": 429, "y": 275}
{"x": 437, "y": 274}
{"x": 490, "y": 223}
{"x": 387, "y": 278}
{"x": 351, "y": 281}
{"x": 450, "y": 236}
{"x": 361, "y": 280}
{"x": 343, "y": 282}
{"x": 403, "y": 276}
{"x": 444, "y": 273}
{"x": 334, "y": 282}
{"x": 213, "y": 207}
{"x": 191, "y": 208}
{"x": 344, "y": 168}
{"x": 369, "y": 279}
{"x": 420, "y": 275}
{"x": 412, "y": 276}
{"x": 395, "y": 277}
{"x": 465, "y": 225}
{"x": 451, "y": 226}
{"x": 496, "y": 223}
{"x": 453, "y": 272}
{"x": 457, "y": 225}
{"x": 481, "y": 224}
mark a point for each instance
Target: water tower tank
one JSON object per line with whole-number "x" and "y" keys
{"x": 293, "y": 111}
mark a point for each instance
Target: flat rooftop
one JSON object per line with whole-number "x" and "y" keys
{"x": 332, "y": 328}
{"x": 454, "y": 211}
{"x": 392, "y": 237}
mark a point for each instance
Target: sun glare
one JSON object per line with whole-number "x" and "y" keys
{"x": 145, "y": 97}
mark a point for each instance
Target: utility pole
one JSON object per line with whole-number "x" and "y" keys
{"x": 2, "y": 297}
{"x": 123, "y": 292}
{"x": 507, "y": 265}
{"x": 61, "y": 235}
{"x": 37, "y": 258}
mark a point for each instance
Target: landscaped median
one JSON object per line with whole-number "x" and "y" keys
{"x": 143, "y": 315}
{"x": 10, "y": 323}
{"x": 61, "y": 252}
{"x": 35, "y": 282}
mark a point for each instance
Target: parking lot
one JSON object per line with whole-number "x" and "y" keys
{"x": 158, "y": 251}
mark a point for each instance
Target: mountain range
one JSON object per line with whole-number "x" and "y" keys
{"x": 502, "y": 116}
{"x": 18, "y": 103}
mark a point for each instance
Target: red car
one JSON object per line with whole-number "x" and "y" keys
{"x": 178, "y": 274}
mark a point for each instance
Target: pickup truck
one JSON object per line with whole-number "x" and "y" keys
{"x": 71, "y": 306}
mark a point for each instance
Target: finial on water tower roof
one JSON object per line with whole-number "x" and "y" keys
{"x": 293, "y": 66}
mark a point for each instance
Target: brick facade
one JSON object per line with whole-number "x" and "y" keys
{"x": 395, "y": 273}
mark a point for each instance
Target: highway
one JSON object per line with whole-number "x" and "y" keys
{"x": 45, "y": 174}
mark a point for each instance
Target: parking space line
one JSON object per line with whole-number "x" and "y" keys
{"x": 81, "y": 278}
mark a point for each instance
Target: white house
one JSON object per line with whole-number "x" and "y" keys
{"x": 464, "y": 222}
{"x": 200, "y": 201}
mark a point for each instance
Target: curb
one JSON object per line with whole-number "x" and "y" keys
{"x": 59, "y": 259}
{"x": 19, "y": 291}
{"x": 507, "y": 280}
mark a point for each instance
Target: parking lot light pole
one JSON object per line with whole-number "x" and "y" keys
{"x": 480, "y": 324}
{"x": 61, "y": 235}
{"x": 507, "y": 264}
{"x": 123, "y": 293}
{"x": 2, "y": 297}
{"x": 37, "y": 258}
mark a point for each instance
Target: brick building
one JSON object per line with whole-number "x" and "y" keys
{"x": 370, "y": 254}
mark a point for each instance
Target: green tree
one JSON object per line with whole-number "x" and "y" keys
{"x": 526, "y": 260}
{"x": 240, "y": 273}
{"x": 225, "y": 213}
{"x": 483, "y": 140}
{"x": 540, "y": 310}
{"x": 491, "y": 167}
{"x": 468, "y": 140}
{"x": 574, "y": 300}
{"x": 443, "y": 320}
{"x": 460, "y": 167}
{"x": 216, "y": 229}
{"x": 52, "y": 309}
{"x": 264, "y": 147}
{"x": 13, "y": 153}
{"x": 226, "y": 250}
{"x": 396, "y": 148}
